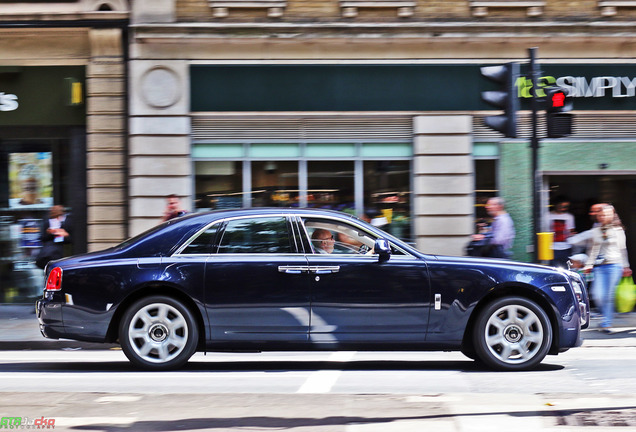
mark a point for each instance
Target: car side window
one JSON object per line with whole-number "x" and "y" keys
{"x": 203, "y": 243}
{"x": 256, "y": 235}
{"x": 335, "y": 237}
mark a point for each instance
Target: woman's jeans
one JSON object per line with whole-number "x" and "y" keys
{"x": 606, "y": 278}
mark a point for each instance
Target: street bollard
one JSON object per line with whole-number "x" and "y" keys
{"x": 544, "y": 244}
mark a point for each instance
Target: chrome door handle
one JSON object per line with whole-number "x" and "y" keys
{"x": 293, "y": 269}
{"x": 324, "y": 269}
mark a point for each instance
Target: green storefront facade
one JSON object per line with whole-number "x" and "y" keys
{"x": 602, "y": 170}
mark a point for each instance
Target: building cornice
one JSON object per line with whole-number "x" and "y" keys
{"x": 437, "y": 30}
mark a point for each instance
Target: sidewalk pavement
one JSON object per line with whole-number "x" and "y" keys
{"x": 19, "y": 330}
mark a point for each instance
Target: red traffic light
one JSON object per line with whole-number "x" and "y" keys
{"x": 558, "y": 99}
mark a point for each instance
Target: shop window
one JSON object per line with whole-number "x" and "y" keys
{"x": 330, "y": 185}
{"x": 368, "y": 179}
{"x": 218, "y": 184}
{"x": 36, "y": 174}
{"x": 275, "y": 184}
{"x": 387, "y": 196}
{"x": 485, "y": 188}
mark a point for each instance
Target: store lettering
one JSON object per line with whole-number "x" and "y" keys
{"x": 581, "y": 87}
{"x": 8, "y": 102}
{"x": 598, "y": 86}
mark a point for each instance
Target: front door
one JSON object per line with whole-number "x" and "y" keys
{"x": 358, "y": 298}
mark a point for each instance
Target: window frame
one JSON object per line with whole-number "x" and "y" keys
{"x": 291, "y": 235}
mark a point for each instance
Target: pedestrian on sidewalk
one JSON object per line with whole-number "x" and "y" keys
{"x": 562, "y": 225}
{"x": 582, "y": 241}
{"x": 56, "y": 232}
{"x": 173, "y": 208}
{"x": 607, "y": 258}
{"x": 502, "y": 231}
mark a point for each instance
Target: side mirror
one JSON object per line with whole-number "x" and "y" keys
{"x": 383, "y": 249}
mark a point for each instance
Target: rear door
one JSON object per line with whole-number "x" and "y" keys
{"x": 257, "y": 285}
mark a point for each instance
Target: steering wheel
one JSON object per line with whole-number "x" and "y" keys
{"x": 363, "y": 249}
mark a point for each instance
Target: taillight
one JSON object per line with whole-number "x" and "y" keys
{"x": 54, "y": 281}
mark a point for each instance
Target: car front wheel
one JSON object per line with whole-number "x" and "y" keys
{"x": 158, "y": 333}
{"x": 512, "y": 333}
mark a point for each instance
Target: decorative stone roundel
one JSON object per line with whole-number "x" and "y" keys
{"x": 160, "y": 87}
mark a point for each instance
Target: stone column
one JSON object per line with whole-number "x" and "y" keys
{"x": 159, "y": 145}
{"x": 105, "y": 178}
{"x": 443, "y": 183}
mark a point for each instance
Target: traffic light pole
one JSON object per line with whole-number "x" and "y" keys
{"x": 534, "y": 145}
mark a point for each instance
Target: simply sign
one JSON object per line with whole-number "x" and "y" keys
{"x": 581, "y": 87}
{"x": 8, "y": 102}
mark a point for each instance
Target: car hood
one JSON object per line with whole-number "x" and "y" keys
{"x": 498, "y": 264}
{"x": 492, "y": 261}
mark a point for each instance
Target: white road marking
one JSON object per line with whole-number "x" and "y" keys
{"x": 84, "y": 421}
{"x": 322, "y": 381}
{"x": 117, "y": 398}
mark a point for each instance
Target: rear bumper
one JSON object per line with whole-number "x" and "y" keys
{"x": 50, "y": 316}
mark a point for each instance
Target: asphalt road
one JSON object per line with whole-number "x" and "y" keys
{"x": 345, "y": 391}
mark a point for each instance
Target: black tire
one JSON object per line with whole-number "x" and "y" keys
{"x": 469, "y": 352}
{"x": 158, "y": 333}
{"x": 512, "y": 333}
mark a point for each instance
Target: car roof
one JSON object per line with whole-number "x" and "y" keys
{"x": 164, "y": 238}
{"x": 222, "y": 214}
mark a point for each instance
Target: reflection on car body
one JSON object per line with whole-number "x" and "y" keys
{"x": 252, "y": 280}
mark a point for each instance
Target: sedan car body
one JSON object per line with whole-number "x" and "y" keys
{"x": 301, "y": 279}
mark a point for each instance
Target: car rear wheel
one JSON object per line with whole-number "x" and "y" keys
{"x": 512, "y": 333}
{"x": 158, "y": 333}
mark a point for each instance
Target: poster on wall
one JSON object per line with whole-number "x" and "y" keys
{"x": 30, "y": 233}
{"x": 30, "y": 180}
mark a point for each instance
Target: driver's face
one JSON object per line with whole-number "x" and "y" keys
{"x": 325, "y": 241}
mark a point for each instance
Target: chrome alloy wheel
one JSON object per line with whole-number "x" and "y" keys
{"x": 158, "y": 333}
{"x": 514, "y": 334}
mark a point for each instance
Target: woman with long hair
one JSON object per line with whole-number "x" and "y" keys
{"x": 607, "y": 256}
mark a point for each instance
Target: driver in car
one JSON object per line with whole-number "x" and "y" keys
{"x": 323, "y": 241}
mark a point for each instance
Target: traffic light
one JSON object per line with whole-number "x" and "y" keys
{"x": 557, "y": 107}
{"x": 505, "y": 98}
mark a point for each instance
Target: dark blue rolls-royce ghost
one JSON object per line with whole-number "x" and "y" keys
{"x": 300, "y": 279}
